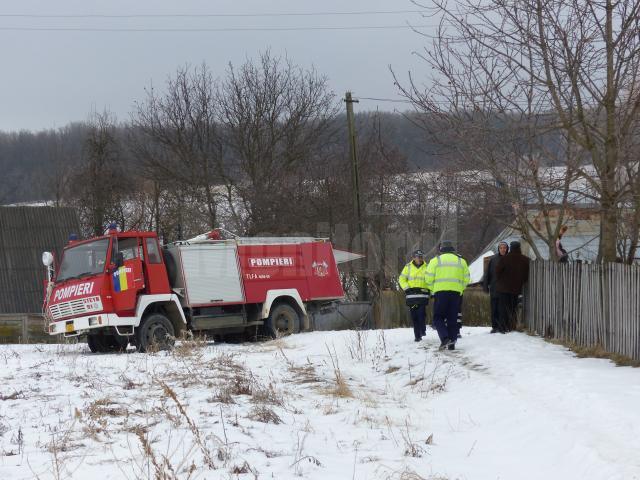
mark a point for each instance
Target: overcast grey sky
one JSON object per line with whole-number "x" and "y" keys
{"x": 50, "y": 78}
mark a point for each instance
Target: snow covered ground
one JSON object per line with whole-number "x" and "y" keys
{"x": 322, "y": 405}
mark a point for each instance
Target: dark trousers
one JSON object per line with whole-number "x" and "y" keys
{"x": 418, "y": 315}
{"x": 495, "y": 312}
{"x": 445, "y": 315}
{"x": 507, "y": 304}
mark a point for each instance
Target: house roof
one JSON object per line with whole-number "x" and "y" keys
{"x": 26, "y": 232}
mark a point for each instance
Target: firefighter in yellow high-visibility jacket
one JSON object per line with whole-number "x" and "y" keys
{"x": 413, "y": 280}
{"x": 447, "y": 277}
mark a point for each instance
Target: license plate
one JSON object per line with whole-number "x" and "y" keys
{"x": 69, "y": 327}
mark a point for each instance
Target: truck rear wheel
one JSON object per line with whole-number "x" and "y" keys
{"x": 100, "y": 343}
{"x": 283, "y": 320}
{"x": 155, "y": 332}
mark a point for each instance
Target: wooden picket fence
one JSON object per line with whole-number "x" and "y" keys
{"x": 587, "y": 304}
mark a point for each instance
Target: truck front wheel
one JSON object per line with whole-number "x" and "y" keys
{"x": 155, "y": 332}
{"x": 283, "y": 320}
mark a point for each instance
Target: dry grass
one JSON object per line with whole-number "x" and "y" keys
{"x": 279, "y": 343}
{"x": 596, "y": 351}
{"x": 357, "y": 345}
{"x": 414, "y": 381}
{"x": 12, "y": 396}
{"x": 267, "y": 453}
{"x": 128, "y": 384}
{"x": 242, "y": 383}
{"x": 244, "y": 469}
{"x": 104, "y": 407}
{"x": 267, "y": 394}
{"x": 341, "y": 388}
{"x": 369, "y": 399}
{"x": 301, "y": 373}
{"x": 190, "y": 346}
{"x": 197, "y": 434}
{"x": 411, "y": 448}
{"x": 408, "y": 474}
{"x": 222, "y": 395}
{"x": 162, "y": 468}
{"x": 264, "y": 414}
{"x": 172, "y": 433}
{"x": 304, "y": 374}
{"x": 329, "y": 409}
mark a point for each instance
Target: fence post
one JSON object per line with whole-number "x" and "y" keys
{"x": 25, "y": 328}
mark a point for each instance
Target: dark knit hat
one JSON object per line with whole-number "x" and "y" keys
{"x": 446, "y": 246}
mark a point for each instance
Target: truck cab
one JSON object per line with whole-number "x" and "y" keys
{"x": 101, "y": 285}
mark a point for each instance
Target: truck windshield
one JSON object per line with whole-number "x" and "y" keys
{"x": 86, "y": 259}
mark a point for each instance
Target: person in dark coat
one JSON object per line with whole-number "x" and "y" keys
{"x": 512, "y": 272}
{"x": 561, "y": 253}
{"x": 489, "y": 284}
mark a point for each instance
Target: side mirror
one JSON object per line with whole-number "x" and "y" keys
{"x": 47, "y": 259}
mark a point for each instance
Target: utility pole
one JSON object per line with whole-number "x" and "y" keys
{"x": 355, "y": 180}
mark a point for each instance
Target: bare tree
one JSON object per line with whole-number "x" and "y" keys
{"x": 177, "y": 137}
{"x": 574, "y": 62}
{"x": 629, "y": 224}
{"x": 99, "y": 184}
{"x": 65, "y": 151}
{"x": 276, "y": 117}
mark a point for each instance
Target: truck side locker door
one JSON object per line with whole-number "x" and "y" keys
{"x": 128, "y": 279}
{"x": 321, "y": 271}
{"x": 211, "y": 274}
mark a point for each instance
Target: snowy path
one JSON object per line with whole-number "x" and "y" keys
{"x": 323, "y": 405}
{"x": 538, "y": 412}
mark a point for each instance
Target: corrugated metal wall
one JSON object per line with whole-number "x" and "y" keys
{"x": 25, "y": 232}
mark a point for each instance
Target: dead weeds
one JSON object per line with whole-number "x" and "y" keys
{"x": 596, "y": 351}
{"x": 341, "y": 387}
{"x": 264, "y": 414}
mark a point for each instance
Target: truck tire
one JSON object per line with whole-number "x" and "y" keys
{"x": 155, "y": 332}
{"x": 107, "y": 343}
{"x": 283, "y": 320}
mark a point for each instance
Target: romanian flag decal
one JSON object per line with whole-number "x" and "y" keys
{"x": 121, "y": 280}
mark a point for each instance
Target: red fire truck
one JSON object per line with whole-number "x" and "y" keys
{"x": 124, "y": 288}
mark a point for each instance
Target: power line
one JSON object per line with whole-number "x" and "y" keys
{"x": 469, "y": 102}
{"x": 222, "y": 29}
{"x": 193, "y": 15}
{"x": 394, "y": 100}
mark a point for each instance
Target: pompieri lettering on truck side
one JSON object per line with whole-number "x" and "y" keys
{"x": 271, "y": 262}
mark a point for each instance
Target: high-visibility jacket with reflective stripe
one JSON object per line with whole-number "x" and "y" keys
{"x": 413, "y": 277}
{"x": 447, "y": 273}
